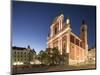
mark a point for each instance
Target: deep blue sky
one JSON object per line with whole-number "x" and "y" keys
{"x": 31, "y": 22}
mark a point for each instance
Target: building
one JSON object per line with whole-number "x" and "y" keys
{"x": 92, "y": 55}
{"x": 22, "y": 56}
{"x": 61, "y": 36}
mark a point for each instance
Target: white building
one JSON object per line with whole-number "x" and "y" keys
{"x": 21, "y": 56}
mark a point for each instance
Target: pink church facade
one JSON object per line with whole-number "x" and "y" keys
{"x": 62, "y": 37}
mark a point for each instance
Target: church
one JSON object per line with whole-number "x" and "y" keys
{"x": 62, "y": 37}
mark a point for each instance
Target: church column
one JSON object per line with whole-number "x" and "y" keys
{"x": 68, "y": 42}
{"x": 68, "y": 48}
{"x": 80, "y": 52}
{"x": 59, "y": 45}
{"x": 75, "y": 56}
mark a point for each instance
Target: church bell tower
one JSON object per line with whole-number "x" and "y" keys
{"x": 83, "y": 36}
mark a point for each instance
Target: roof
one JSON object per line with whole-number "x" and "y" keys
{"x": 18, "y": 48}
{"x": 76, "y": 36}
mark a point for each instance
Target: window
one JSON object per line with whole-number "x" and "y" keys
{"x": 21, "y": 53}
{"x": 18, "y": 53}
{"x": 64, "y": 44}
{"x": 77, "y": 42}
{"x": 55, "y": 30}
{"x": 15, "y": 52}
{"x": 80, "y": 44}
{"x": 55, "y": 44}
{"x": 72, "y": 38}
{"x": 83, "y": 29}
{"x": 14, "y": 55}
{"x": 25, "y": 53}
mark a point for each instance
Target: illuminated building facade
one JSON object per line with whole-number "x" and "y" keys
{"x": 22, "y": 56}
{"x": 61, "y": 36}
{"x": 92, "y": 55}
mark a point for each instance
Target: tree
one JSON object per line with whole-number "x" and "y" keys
{"x": 49, "y": 55}
{"x": 56, "y": 56}
{"x": 53, "y": 56}
{"x": 43, "y": 56}
{"x": 65, "y": 57}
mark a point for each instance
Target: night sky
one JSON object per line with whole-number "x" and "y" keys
{"x": 31, "y": 22}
